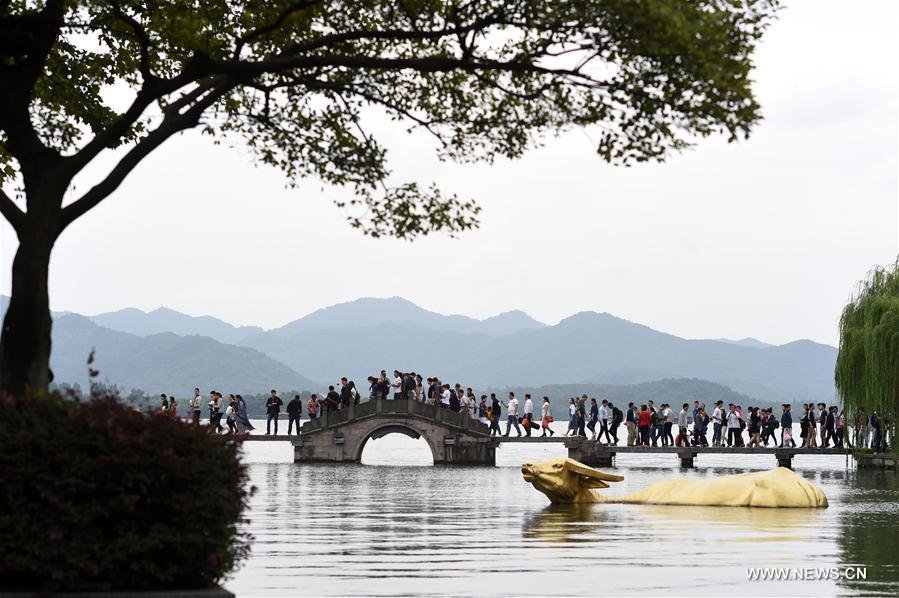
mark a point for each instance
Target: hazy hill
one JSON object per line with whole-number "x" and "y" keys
{"x": 164, "y": 362}
{"x": 370, "y": 311}
{"x": 141, "y": 323}
{"x": 587, "y": 347}
{"x": 746, "y": 342}
{"x": 361, "y": 337}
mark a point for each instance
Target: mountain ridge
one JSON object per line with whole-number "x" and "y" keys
{"x": 587, "y": 348}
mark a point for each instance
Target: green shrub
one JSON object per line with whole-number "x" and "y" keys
{"x": 97, "y": 496}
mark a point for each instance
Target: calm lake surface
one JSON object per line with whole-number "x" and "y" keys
{"x": 396, "y": 525}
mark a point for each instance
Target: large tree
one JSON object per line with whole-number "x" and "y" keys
{"x": 867, "y": 368}
{"x": 292, "y": 79}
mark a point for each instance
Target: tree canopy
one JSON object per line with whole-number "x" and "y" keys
{"x": 867, "y": 369}
{"x": 291, "y": 80}
{"x": 296, "y": 81}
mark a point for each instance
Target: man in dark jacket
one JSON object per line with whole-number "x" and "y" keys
{"x": 332, "y": 400}
{"x": 822, "y": 421}
{"x": 786, "y": 423}
{"x": 273, "y": 409}
{"x": 832, "y": 425}
{"x": 345, "y": 393}
{"x": 294, "y": 409}
{"x": 875, "y": 431}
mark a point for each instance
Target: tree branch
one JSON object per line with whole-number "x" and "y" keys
{"x": 10, "y": 211}
{"x": 149, "y": 93}
{"x": 273, "y": 26}
{"x": 395, "y": 34}
{"x": 173, "y": 123}
{"x": 143, "y": 40}
{"x": 425, "y": 64}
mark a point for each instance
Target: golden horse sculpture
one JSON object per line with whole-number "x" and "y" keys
{"x": 569, "y": 481}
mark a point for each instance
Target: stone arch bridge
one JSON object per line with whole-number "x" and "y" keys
{"x": 340, "y": 436}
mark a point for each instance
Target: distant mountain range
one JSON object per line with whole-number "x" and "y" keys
{"x": 164, "y": 362}
{"x": 368, "y": 312}
{"x": 141, "y": 323}
{"x": 361, "y": 337}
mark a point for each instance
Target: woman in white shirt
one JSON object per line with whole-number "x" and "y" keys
{"x": 547, "y": 418}
{"x": 572, "y": 420}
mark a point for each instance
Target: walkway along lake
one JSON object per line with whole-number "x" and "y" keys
{"x": 395, "y": 525}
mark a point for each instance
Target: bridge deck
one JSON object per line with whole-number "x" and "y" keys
{"x": 741, "y": 450}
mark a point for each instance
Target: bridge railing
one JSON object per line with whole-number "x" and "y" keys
{"x": 395, "y": 406}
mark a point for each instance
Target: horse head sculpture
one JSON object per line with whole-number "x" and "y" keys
{"x": 569, "y": 481}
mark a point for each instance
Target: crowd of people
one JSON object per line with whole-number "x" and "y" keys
{"x": 646, "y": 425}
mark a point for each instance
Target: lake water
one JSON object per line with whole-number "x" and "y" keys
{"x": 396, "y": 525}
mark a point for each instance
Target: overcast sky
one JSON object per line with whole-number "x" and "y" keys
{"x": 764, "y": 238}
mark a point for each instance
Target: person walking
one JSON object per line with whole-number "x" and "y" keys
{"x": 243, "y": 421}
{"x": 631, "y": 422}
{"x": 683, "y": 417}
{"x": 273, "y": 410}
{"x": 332, "y": 400}
{"x": 572, "y": 418}
{"x": 717, "y": 422}
{"x": 594, "y": 417}
{"x": 860, "y": 426}
{"x": 733, "y": 427}
{"x": 667, "y": 424}
{"x": 700, "y": 427}
{"x": 581, "y": 420}
{"x": 196, "y": 407}
{"x": 215, "y": 412}
{"x": 346, "y": 393}
{"x": 876, "y": 433}
{"x": 617, "y": 416}
{"x": 831, "y": 423}
{"x": 512, "y": 411}
{"x": 231, "y": 415}
{"x": 313, "y": 406}
{"x": 822, "y": 424}
{"x": 546, "y": 417}
{"x": 528, "y": 414}
{"x": 786, "y": 424}
{"x": 294, "y": 414}
{"x": 644, "y": 421}
{"x": 754, "y": 427}
{"x": 605, "y": 414}
{"x": 842, "y": 437}
{"x": 497, "y": 410}
{"x": 472, "y": 404}
{"x": 655, "y": 425}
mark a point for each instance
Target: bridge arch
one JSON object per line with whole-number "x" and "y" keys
{"x": 381, "y": 429}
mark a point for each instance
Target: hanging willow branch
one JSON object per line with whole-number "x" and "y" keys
{"x": 867, "y": 368}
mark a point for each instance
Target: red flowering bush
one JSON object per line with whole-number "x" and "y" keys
{"x": 97, "y": 496}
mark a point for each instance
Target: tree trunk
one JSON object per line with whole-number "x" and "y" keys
{"x": 25, "y": 340}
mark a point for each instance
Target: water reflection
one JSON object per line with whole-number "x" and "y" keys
{"x": 869, "y": 531}
{"x": 567, "y": 523}
{"x": 385, "y": 530}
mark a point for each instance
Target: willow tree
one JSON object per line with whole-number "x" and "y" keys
{"x": 867, "y": 369}
{"x": 293, "y": 79}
